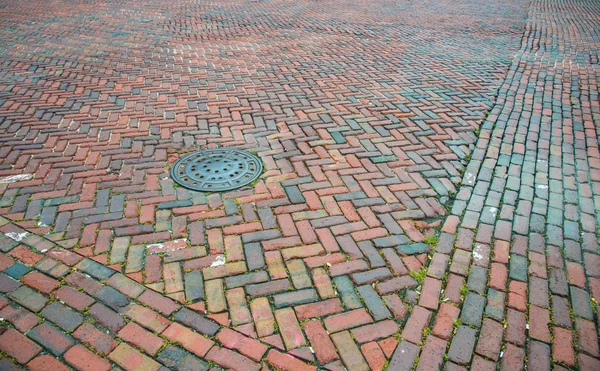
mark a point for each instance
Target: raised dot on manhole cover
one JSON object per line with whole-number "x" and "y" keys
{"x": 214, "y": 170}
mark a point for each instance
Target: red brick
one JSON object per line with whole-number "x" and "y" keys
{"x": 18, "y": 346}
{"x": 318, "y": 309}
{"x": 430, "y": 293}
{"x": 588, "y": 363}
{"x": 106, "y": 317}
{"x": 130, "y": 359}
{"x": 388, "y": 346}
{"x": 452, "y": 290}
{"x": 21, "y": 318}
{"x": 347, "y": 320}
{"x": 517, "y": 296}
{"x": 289, "y": 328}
{"x": 46, "y": 363}
{"x": 562, "y": 346}
{"x": 501, "y": 252}
{"x": 444, "y": 321}
{"x": 327, "y": 240}
{"x": 247, "y": 346}
{"x": 587, "y": 336}
{"x": 158, "y": 302}
{"x": 537, "y": 265}
{"x": 490, "y": 339}
{"x": 375, "y": 331}
{"x": 5, "y": 261}
{"x": 147, "y": 318}
{"x": 369, "y": 217}
{"x": 539, "y": 319}
{"x": 288, "y": 228}
{"x": 411, "y": 230}
{"x": 279, "y": 243}
{"x": 513, "y": 358}
{"x": 25, "y": 255}
{"x": 141, "y": 338}
{"x": 231, "y": 360}
{"x": 74, "y": 298}
{"x": 576, "y": 274}
{"x": 263, "y": 317}
{"x": 87, "y": 284}
{"x": 394, "y": 303}
{"x": 369, "y": 234}
{"x": 319, "y": 261}
{"x": 286, "y": 362}
{"x": 102, "y": 342}
{"x": 348, "y": 267}
{"x": 306, "y": 231}
{"x": 243, "y": 228}
{"x": 320, "y": 341}
{"x": 498, "y": 276}
{"x": 195, "y": 343}
{"x": 395, "y": 284}
{"x": 51, "y": 338}
{"x": 515, "y": 330}
{"x": 433, "y": 354}
{"x": 84, "y": 360}
{"x": 40, "y": 282}
{"x": 374, "y": 356}
{"x": 418, "y": 320}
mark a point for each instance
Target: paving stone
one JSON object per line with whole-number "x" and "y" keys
{"x": 56, "y": 341}
{"x": 404, "y": 356}
{"x": 196, "y": 321}
{"x": 18, "y": 346}
{"x": 63, "y": 316}
{"x": 130, "y": 359}
{"x": 178, "y": 359}
{"x": 461, "y": 347}
{"x": 581, "y": 303}
{"x": 349, "y": 352}
{"x": 373, "y": 302}
{"x": 473, "y": 309}
{"x": 94, "y": 337}
{"x": 28, "y": 298}
{"x": 82, "y": 359}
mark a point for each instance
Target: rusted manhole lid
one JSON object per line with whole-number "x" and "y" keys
{"x": 214, "y": 170}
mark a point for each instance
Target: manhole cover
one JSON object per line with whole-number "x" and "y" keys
{"x": 220, "y": 169}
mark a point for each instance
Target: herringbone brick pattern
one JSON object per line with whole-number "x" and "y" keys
{"x": 358, "y": 138}
{"x": 364, "y": 113}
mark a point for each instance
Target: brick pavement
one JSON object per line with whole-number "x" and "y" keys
{"x": 357, "y": 248}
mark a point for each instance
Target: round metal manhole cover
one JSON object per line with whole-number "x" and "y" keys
{"x": 213, "y": 170}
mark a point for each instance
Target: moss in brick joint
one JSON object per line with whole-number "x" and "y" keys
{"x": 419, "y": 275}
{"x": 464, "y": 291}
{"x": 432, "y": 240}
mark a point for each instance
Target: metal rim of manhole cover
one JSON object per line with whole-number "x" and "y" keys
{"x": 214, "y": 170}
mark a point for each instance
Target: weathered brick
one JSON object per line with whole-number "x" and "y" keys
{"x": 349, "y": 352}
{"x": 141, "y": 338}
{"x": 100, "y": 341}
{"x": 130, "y": 359}
{"x": 51, "y": 338}
{"x": 18, "y": 346}
{"x": 190, "y": 340}
{"x": 290, "y": 329}
{"x": 84, "y": 360}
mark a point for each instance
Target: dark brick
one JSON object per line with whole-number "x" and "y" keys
{"x": 196, "y": 321}
{"x": 106, "y": 317}
{"x": 63, "y": 316}
{"x": 461, "y": 348}
{"x": 51, "y": 338}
